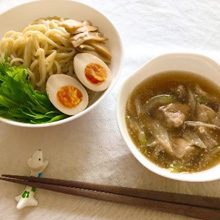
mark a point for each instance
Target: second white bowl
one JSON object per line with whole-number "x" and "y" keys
{"x": 199, "y": 64}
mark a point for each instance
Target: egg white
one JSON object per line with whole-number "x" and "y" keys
{"x": 55, "y": 82}
{"x": 80, "y": 62}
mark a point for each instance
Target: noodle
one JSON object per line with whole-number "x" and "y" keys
{"x": 43, "y": 47}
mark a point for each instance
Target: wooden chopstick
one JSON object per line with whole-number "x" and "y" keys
{"x": 201, "y": 201}
{"x": 175, "y": 208}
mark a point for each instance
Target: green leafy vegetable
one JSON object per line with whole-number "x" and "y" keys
{"x": 142, "y": 138}
{"x": 175, "y": 168}
{"x": 157, "y": 101}
{"x": 202, "y": 100}
{"x": 20, "y": 102}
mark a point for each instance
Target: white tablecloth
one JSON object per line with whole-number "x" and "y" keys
{"x": 91, "y": 148}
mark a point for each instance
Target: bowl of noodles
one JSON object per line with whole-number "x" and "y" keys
{"x": 57, "y": 62}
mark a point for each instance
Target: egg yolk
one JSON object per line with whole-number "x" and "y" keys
{"x": 69, "y": 96}
{"x": 95, "y": 73}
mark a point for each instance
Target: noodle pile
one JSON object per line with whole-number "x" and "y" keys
{"x": 43, "y": 46}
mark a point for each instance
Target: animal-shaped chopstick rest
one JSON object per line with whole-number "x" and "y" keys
{"x": 37, "y": 166}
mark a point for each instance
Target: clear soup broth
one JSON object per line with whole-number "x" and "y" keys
{"x": 174, "y": 120}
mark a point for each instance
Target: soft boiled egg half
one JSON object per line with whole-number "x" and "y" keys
{"x": 66, "y": 94}
{"x": 92, "y": 72}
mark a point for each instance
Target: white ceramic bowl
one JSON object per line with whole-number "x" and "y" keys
{"x": 199, "y": 64}
{"x": 19, "y": 17}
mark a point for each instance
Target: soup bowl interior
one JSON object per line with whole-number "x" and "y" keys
{"x": 198, "y": 64}
{"x": 12, "y": 20}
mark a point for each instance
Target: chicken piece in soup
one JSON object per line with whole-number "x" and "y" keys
{"x": 174, "y": 120}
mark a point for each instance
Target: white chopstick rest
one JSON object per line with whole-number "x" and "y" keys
{"x": 37, "y": 166}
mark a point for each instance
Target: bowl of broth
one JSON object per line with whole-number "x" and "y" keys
{"x": 168, "y": 113}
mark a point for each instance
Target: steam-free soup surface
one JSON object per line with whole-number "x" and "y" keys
{"x": 174, "y": 120}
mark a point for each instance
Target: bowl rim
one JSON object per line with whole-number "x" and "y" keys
{"x": 187, "y": 177}
{"x": 106, "y": 92}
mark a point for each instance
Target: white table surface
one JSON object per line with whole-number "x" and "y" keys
{"x": 91, "y": 148}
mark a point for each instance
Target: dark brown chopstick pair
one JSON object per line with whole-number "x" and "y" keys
{"x": 188, "y": 205}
